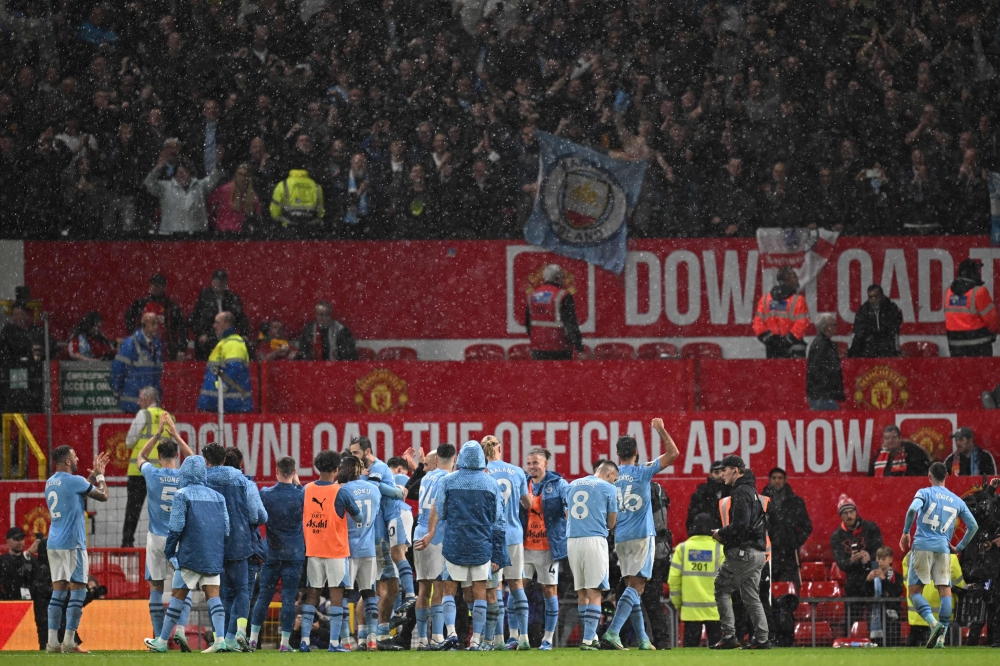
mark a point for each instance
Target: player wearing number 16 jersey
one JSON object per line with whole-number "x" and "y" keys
{"x": 593, "y": 510}
{"x": 935, "y": 511}
{"x": 634, "y": 531}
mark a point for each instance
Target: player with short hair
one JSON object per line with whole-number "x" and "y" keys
{"x": 935, "y": 511}
{"x": 593, "y": 510}
{"x": 514, "y": 487}
{"x": 407, "y": 598}
{"x": 429, "y": 562}
{"x": 635, "y": 531}
{"x": 363, "y": 565}
{"x": 66, "y": 495}
{"x": 327, "y": 545}
{"x": 161, "y": 484}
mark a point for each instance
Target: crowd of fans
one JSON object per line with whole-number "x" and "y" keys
{"x": 120, "y": 119}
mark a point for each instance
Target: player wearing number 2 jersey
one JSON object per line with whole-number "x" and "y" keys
{"x": 935, "y": 511}
{"x": 635, "y": 531}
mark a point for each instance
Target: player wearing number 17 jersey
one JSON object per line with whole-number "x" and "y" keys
{"x": 935, "y": 511}
{"x": 593, "y": 510}
{"x": 634, "y": 531}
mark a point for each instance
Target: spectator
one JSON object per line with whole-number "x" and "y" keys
{"x": 919, "y": 631}
{"x": 898, "y": 458}
{"x": 139, "y": 364}
{"x": 788, "y": 526}
{"x": 782, "y": 318}
{"x": 824, "y": 377}
{"x": 884, "y": 582}
{"x": 705, "y": 498}
{"x": 326, "y": 339}
{"x": 355, "y": 197}
{"x": 19, "y": 570}
{"x": 206, "y": 138}
{"x": 173, "y": 325}
{"x": 732, "y": 211}
{"x": 297, "y": 205}
{"x": 88, "y": 342}
{"x": 145, "y": 426}
{"x": 213, "y": 300}
{"x": 550, "y": 318}
{"x": 233, "y": 207}
{"x": 182, "y": 198}
{"x": 968, "y": 459}
{"x": 85, "y": 199}
{"x": 876, "y": 327}
{"x": 417, "y": 207}
{"x": 853, "y": 545}
{"x": 123, "y": 162}
{"x": 228, "y": 367}
{"x": 272, "y": 343}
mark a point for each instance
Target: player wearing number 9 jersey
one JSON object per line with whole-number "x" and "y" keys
{"x": 935, "y": 511}
{"x": 635, "y": 531}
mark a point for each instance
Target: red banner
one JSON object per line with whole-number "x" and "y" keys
{"x": 805, "y": 443}
{"x": 476, "y": 289}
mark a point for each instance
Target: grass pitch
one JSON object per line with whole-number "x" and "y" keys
{"x": 562, "y": 657}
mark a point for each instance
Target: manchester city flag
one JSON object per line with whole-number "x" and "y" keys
{"x": 583, "y": 202}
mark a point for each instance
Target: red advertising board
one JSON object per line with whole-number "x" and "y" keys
{"x": 475, "y": 289}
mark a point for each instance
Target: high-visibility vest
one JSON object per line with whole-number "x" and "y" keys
{"x": 297, "y": 200}
{"x": 325, "y": 532}
{"x": 765, "y": 502}
{"x": 782, "y": 317}
{"x": 692, "y": 578}
{"x": 968, "y": 312}
{"x": 153, "y": 417}
{"x": 930, "y": 591}
{"x": 547, "y": 332}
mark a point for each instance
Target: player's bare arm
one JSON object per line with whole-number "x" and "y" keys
{"x": 670, "y": 451}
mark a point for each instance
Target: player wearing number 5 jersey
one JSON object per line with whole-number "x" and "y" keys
{"x": 935, "y": 510}
{"x": 635, "y": 531}
{"x": 514, "y": 488}
{"x": 593, "y": 510}
{"x": 66, "y": 495}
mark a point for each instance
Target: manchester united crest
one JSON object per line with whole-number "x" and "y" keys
{"x": 380, "y": 392}
{"x": 881, "y": 388}
{"x": 932, "y": 441}
{"x": 118, "y": 450}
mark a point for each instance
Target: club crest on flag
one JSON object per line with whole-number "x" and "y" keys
{"x": 586, "y": 205}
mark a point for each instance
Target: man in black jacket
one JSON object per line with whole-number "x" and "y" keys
{"x": 898, "y": 457}
{"x": 876, "y": 327}
{"x": 854, "y": 544}
{"x": 173, "y": 325}
{"x": 326, "y": 339}
{"x": 213, "y": 300}
{"x": 705, "y": 498}
{"x": 824, "y": 376}
{"x": 788, "y": 525}
{"x": 744, "y": 539}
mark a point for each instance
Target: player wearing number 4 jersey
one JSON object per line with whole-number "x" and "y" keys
{"x": 635, "y": 531}
{"x": 935, "y": 511}
{"x": 593, "y": 510}
{"x": 66, "y": 495}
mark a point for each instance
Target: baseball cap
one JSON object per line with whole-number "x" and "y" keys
{"x": 733, "y": 461}
{"x": 15, "y": 533}
{"x": 220, "y": 274}
{"x": 716, "y": 465}
{"x": 965, "y": 432}
{"x": 158, "y": 279}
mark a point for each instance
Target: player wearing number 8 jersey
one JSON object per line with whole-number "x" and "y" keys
{"x": 935, "y": 511}
{"x": 593, "y": 510}
{"x": 635, "y": 531}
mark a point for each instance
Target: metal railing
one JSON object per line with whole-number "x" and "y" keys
{"x": 18, "y": 444}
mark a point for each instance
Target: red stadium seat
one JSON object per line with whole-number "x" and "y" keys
{"x": 701, "y": 350}
{"x": 816, "y": 551}
{"x": 904, "y": 630}
{"x": 804, "y": 636}
{"x": 813, "y": 571}
{"x": 587, "y": 353}
{"x": 484, "y": 353}
{"x": 613, "y": 351}
{"x": 836, "y": 574}
{"x": 397, "y": 354}
{"x": 783, "y": 589}
{"x": 657, "y": 350}
{"x": 919, "y": 349}
{"x": 803, "y": 613}
{"x": 366, "y": 354}
{"x": 859, "y": 630}
{"x": 831, "y": 612}
{"x": 519, "y": 353}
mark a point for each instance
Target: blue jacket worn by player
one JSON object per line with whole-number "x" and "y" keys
{"x": 66, "y": 496}
{"x": 593, "y": 511}
{"x": 635, "y": 531}
{"x": 935, "y": 511}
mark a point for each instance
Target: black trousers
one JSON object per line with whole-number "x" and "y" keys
{"x": 134, "y": 501}
{"x": 40, "y": 604}
{"x": 692, "y": 633}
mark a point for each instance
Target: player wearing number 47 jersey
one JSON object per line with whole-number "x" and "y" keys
{"x": 634, "y": 531}
{"x": 593, "y": 510}
{"x": 66, "y": 495}
{"x": 935, "y": 511}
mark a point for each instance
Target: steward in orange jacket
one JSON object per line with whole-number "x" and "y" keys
{"x": 782, "y": 318}
{"x": 969, "y": 315}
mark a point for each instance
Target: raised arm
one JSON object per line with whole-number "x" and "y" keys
{"x": 100, "y": 490}
{"x": 181, "y": 443}
{"x": 148, "y": 446}
{"x": 670, "y": 453}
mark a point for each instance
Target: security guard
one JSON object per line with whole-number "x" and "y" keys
{"x": 550, "y": 318}
{"x": 782, "y": 318}
{"x": 918, "y": 626}
{"x": 692, "y": 582}
{"x": 764, "y": 589}
{"x": 969, "y": 316}
{"x": 232, "y": 359}
{"x": 297, "y": 203}
{"x": 146, "y": 422}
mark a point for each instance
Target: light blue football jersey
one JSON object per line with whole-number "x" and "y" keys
{"x": 361, "y": 531}
{"x": 513, "y": 485}
{"x": 66, "y": 495}
{"x": 635, "y": 515}
{"x": 425, "y": 502}
{"x": 161, "y": 484}
{"x": 937, "y": 514}
{"x": 590, "y": 501}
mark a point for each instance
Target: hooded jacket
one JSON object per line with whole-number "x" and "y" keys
{"x": 705, "y": 499}
{"x": 199, "y": 522}
{"x": 552, "y": 489}
{"x": 246, "y": 511}
{"x": 747, "y": 526}
{"x": 788, "y": 524}
{"x": 471, "y": 502}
